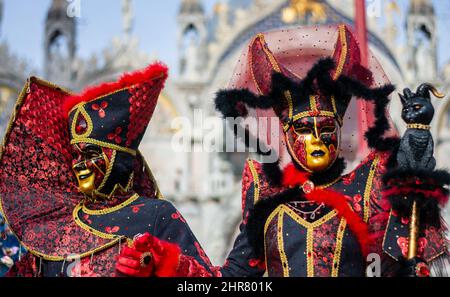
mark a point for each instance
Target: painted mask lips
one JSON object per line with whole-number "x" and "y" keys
{"x": 318, "y": 153}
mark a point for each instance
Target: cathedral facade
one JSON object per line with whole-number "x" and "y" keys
{"x": 205, "y": 185}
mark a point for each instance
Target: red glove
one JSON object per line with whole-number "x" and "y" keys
{"x": 149, "y": 256}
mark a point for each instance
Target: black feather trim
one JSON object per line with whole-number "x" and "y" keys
{"x": 320, "y": 71}
{"x": 227, "y": 102}
{"x": 438, "y": 178}
{"x": 430, "y": 210}
{"x": 273, "y": 173}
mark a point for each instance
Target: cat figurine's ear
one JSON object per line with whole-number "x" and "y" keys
{"x": 407, "y": 93}
{"x": 402, "y": 98}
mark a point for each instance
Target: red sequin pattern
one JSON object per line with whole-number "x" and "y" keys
{"x": 143, "y": 102}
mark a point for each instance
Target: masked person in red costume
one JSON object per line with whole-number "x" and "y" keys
{"x": 76, "y": 191}
{"x": 301, "y": 215}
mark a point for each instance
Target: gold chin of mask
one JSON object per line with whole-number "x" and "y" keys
{"x": 317, "y": 154}
{"x": 86, "y": 179}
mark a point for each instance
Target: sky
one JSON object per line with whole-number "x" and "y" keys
{"x": 23, "y": 27}
{"x": 155, "y": 26}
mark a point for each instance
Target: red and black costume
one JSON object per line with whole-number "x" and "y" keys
{"x": 65, "y": 232}
{"x": 300, "y": 223}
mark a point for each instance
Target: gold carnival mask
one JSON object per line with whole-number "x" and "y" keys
{"x": 89, "y": 164}
{"x": 314, "y": 142}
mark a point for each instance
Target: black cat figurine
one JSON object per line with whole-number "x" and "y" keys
{"x": 416, "y": 147}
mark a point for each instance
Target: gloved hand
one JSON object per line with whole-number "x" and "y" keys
{"x": 148, "y": 256}
{"x": 413, "y": 268}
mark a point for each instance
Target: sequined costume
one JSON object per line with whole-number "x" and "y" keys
{"x": 301, "y": 222}
{"x": 52, "y": 133}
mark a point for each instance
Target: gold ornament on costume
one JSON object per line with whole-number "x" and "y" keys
{"x": 300, "y": 8}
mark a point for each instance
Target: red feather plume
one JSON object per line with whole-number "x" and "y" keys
{"x": 153, "y": 71}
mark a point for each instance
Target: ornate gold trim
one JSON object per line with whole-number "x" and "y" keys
{"x": 108, "y": 170}
{"x": 86, "y": 227}
{"x": 312, "y": 103}
{"x": 104, "y": 144}
{"x": 309, "y": 234}
{"x": 329, "y": 184}
{"x": 255, "y": 176}
{"x": 111, "y": 209}
{"x": 333, "y": 104}
{"x": 272, "y": 60}
{"x": 117, "y": 186}
{"x": 280, "y": 240}
{"x": 275, "y": 67}
{"x": 270, "y": 218}
{"x": 384, "y": 236}
{"x": 338, "y": 117}
{"x": 310, "y": 252}
{"x": 307, "y": 224}
{"x": 90, "y": 125}
{"x": 338, "y": 249}
{"x": 344, "y": 52}
{"x": 368, "y": 189}
{"x": 322, "y": 113}
{"x": 250, "y": 64}
{"x": 418, "y": 126}
{"x": 288, "y": 96}
{"x": 50, "y": 85}
{"x": 149, "y": 173}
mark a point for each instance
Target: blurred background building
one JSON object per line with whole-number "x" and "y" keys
{"x": 206, "y": 186}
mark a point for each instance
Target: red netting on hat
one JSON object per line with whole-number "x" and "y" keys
{"x": 296, "y": 50}
{"x": 38, "y": 188}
